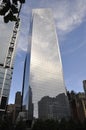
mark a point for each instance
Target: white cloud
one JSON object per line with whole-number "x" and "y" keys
{"x": 74, "y": 50}
{"x": 69, "y": 14}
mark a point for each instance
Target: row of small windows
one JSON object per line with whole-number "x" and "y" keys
{"x": 7, "y": 82}
{"x": 2, "y": 75}
{"x": 5, "y": 92}
{"x": 5, "y": 86}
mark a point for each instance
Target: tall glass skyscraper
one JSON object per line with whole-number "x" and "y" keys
{"x": 49, "y": 99}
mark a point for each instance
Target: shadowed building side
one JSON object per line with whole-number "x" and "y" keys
{"x": 53, "y": 108}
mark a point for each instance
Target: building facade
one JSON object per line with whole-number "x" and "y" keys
{"x": 53, "y": 108}
{"x": 43, "y": 77}
{"x": 7, "y": 53}
{"x": 26, "y": 90}
{"x": 18, "y": 98}
{"x": 14, "y": 109}
{"x": 84, "y": 86}
{"x": 77, "y": 103}
{"x": 5, "y": 82}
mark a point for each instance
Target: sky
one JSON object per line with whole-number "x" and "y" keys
{"x": 70, "y": 22}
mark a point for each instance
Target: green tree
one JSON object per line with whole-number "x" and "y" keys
{"x": 10, "y": 9}
{"x": 21, "y": 125}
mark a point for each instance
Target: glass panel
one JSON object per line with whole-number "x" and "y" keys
{"x": 46, "y": 75}
{"x": 45, "y": 83}
{"x": 6, "y": 92}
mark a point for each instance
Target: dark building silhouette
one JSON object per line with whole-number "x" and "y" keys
{"x": 30, "y": 108}
{"x": 14, "y": 109}
{"x": 77, "y": 105}
{"x": 84, "y": 86}
{"x": 53, "y": 107}
{"x": 18, "y": 98}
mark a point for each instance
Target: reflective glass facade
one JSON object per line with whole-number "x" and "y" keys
{"x": 27, "y": 105}
{"x": 44, "y": 93}
{"x": 46, "y": 75}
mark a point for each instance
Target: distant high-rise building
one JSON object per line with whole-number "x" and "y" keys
{"x": 84, "y": 86}
{"x": 30, "y": 112}
{"x": 45, "y": 75}
{"x": 18, "y": 98}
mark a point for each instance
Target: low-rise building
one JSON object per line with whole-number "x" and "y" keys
{"x": 77, "y": 105}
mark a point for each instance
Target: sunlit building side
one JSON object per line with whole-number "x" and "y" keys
{"x": 44, "y": 93}
{"x": 46, "y": 74}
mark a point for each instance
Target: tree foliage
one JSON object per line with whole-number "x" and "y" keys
{"x": 10, "y": 9}
{"x": 58, "y": 125}
{"x": 70, "y": 124}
